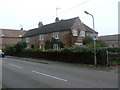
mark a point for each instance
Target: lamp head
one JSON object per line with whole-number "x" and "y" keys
{"x": 86, "y": 12}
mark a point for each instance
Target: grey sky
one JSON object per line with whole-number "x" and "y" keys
{"x": 29, "y": 12}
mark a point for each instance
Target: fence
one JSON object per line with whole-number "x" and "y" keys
{"x": 113, "y": 58}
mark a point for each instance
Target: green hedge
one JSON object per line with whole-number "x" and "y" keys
{"x": 84, "y": 55}
{"x": 73, "y": 57}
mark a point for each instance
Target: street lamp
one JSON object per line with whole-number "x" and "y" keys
{"x": 94, "y": 38}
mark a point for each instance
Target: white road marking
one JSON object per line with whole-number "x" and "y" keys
{"x": 50, "y": 76}
{"x": 15, "y": 66}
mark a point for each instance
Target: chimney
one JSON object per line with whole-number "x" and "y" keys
{"x": 40, "y": 24}
{"x": 21, "y": 29}
{"x": 57, "y": 19}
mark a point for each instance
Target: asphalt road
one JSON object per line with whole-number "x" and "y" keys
{"x": 17, "y": 73}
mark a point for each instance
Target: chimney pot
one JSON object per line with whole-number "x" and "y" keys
{"x": 57, "y": 19}
{"x": 21, "y": 28}
{"x": 40, "y": 24}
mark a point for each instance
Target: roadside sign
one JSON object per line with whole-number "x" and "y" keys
{"x": 94, "y": 37}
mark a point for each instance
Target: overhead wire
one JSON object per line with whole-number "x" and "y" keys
{"x": 78, "y": 5}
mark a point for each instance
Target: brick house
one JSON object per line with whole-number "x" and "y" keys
{"x": 70, "y": 32}
{"x": 111, "y": 40}
{"x": 10, "y": 37}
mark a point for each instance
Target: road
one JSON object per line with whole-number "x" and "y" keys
{"x": 17, "y": 73}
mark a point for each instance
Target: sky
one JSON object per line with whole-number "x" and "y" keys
{"x": 15, "y": 14}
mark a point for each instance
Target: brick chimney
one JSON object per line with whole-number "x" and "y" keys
{"x": 57, "y": 19}
{"x": 21, "y": 29}
{"x": 40, "y": 24}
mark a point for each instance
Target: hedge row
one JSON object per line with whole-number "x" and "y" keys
{"x": 72, "y": 57}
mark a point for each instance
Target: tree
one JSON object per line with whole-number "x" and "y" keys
{"x": 20, "y": 46}
{"x": 88, "y": 41}
{"x": 9, "y": 49}
{"x": 48, "y": 44}
{"x": 101, "y": 43}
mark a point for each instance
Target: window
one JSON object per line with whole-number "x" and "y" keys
{"x": 27, "y": 40}
{"x": 42, "y": 46}
{"x": 75, "y": 32}
{"x": 55, "y": 46}
{"x": 82, "y": 33}
{"x": 56, "y": 35}
{"x": 78, "y": 44}
{"x": 41, "y": 38}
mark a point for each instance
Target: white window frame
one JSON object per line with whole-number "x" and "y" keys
{"x": 56, "y": 35}
{"x": 82, "y": 33}
{"x": 75, "y": 32}
{"x": 55, "y": 46}
{"x": 79, "y": 44}
{"x": 27, "y": 40}
{"x": 41, "y": 37}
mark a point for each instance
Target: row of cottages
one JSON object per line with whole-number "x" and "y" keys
{"x": 70, "y": 32}
{"x": 10, "y": 37}
{"x": 111, "y": 40}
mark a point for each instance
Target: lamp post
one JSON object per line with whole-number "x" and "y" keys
{"x": 94, "y": 38}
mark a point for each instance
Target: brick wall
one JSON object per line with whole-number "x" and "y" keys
{"x": 10, "y": 37}
{"x": 10, "y": 41}
{"x": 65, "y": 37}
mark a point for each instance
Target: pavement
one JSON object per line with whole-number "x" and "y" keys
{"x": 113, "y": 69}
{"x": 34, "y": 73}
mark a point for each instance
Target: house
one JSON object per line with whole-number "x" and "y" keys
{"x": 111, "y": 40}
{"x": 70, "y": 32}
{"x": 10, "y": 37}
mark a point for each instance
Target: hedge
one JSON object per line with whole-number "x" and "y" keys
{"x": 72, "y": 57}
{"x": 84, "y": 55}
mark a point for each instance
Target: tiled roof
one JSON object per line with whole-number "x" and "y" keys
{"x": 11, "y": 33}
{"x": 54, "y": 27}
{"x": 109, "y": 37}
{"x": 88, "y": 29}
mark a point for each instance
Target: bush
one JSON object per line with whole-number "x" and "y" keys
{"x": 49, "y": 43}
{"x": 67, "y": 49}
{"x": 20, "y": 46}
{"x": 115, "y": 49}
{"x": 33, "y": 50}
{"x": 54, "y": 50}
{"x": 9, "y": 49}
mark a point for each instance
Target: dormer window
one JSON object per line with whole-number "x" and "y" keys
{"x": 82, "y": 33}
{"x": 74, "y": 32}
{"x": 56, "y": 35}
{"x": 41, "y": 37}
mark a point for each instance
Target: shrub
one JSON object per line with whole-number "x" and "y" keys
{"x": 82, "y": 49}
{"x": 87, "y": 40}
{"x": 33, "y": 50}
{"x": 9, "y": 49}
{"x": 20, "y": 46}
{"x": 67, "y": 49}
{"x": 115, "y": 49}
{"x": 49, "y": 43}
